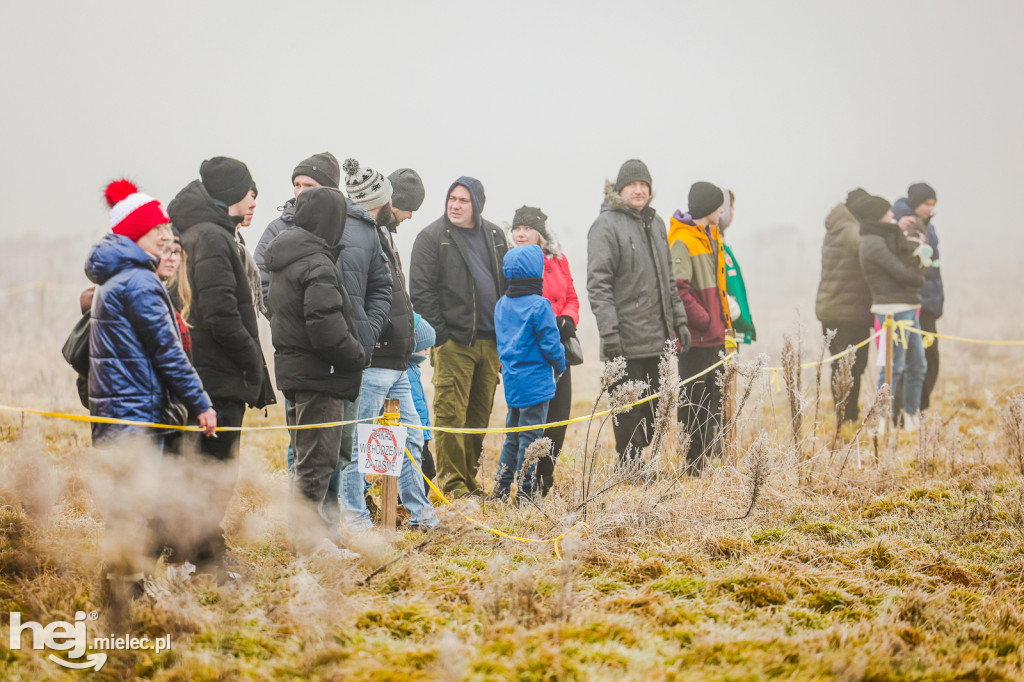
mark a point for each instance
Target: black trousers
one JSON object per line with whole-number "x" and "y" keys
{"x": 701, "y": 406}
{"x": 558, "y": 410}
{"x": 849, "y": 335}
{"x": 210, "y": 549}
{"x": 931, "y": 356}
{"x": 636, "y": 428}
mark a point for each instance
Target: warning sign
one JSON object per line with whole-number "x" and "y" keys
{"x": 381, "y": 449}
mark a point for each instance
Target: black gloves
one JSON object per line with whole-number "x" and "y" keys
{"x": 566, "y": 327}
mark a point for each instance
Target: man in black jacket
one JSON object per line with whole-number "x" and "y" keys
{"x": 455, "y": 282}
{"x": 386, "y": 376}
{"x": 317, "y": 356}
{"x": 225, "y": 340}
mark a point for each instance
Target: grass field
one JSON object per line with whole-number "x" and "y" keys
{"x": 901, "y": 563}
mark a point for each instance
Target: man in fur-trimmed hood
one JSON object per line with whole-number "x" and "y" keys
{"x": 633, "y": 292}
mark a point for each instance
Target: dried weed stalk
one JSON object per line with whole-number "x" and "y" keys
{"x": 1011, "y": 418}
{"x": 842, "y": 385}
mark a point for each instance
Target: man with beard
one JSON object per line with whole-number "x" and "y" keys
{"x": 386, "y": 376}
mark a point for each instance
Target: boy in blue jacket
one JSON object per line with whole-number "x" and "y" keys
{"x": 424, "y": 338}
{"x": 532, "y": 356}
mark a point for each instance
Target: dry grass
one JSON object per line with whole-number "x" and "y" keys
{"x": 811, "y": 556}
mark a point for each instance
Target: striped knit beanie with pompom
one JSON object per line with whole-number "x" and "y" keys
{"x": 365, "y": 186}
{"x": 132, "y": 213}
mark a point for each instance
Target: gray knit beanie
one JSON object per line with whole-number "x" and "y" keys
{"x": 321, "y": 167}
{"x": 632, "y": 171}
{"x": 408, "y": 189}
{"x": 366, "y": 186}
{"x": 532, "y": 217}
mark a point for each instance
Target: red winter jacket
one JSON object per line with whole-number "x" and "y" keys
{"x": 559, "y": 289}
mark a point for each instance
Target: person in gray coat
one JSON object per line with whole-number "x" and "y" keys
{"x": 633, "y": 293}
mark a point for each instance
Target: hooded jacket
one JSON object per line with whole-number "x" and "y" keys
{"x": 395, "y": 343}
{"x": 558, "y": 285}
{"x": 225, "y": 337}
{"x": 529, "y": 347}
{"x": 315, "y": 347}
{"x": 441, "y": 281}
{"x": 698, "y": 264}
{"x": 276, "y": 227}
{"x": 843, "y": 293}
{"x": 135, "y": 351}
{"x": 365, "y": 272}
{"x": 893, "y": 273}
{"x": 932, "y": 294}
{"x": 632, "y": 290}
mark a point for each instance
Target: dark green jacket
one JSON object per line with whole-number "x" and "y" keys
{"x": 843, "y": 293}
{"x": 742, "y": 326}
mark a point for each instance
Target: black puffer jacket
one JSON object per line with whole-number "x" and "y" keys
{"x": 314, "y": 345}
{"x": 395, "y": 344}
{"x": 843, "y": 293}
{"x": 366, "y": 276}
{"x": 893, "y": 273}
{"x": 225, "y": 339}
{"x": 440, "y": 279}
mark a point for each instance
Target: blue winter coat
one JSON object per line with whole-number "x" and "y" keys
{"x": 419, "y": 398}
{"x": 932, "y": 294}
{"x": 529, "y": 346}
{"x": 135, "y": 352}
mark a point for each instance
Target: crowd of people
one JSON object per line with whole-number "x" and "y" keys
{"x": 880, "y": 259}
{"x": 173, "y": 335}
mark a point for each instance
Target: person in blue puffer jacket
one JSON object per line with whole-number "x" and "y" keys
{"x": 135, "y": 351}
{"x": 532, "y": 357}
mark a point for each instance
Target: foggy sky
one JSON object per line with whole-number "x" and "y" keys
{"x": 790, "y": 104}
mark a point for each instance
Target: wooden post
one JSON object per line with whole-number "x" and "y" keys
{"x": 888, "y": 370}
{"x": 389, "y": 486}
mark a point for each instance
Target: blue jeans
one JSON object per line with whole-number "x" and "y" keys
{"x": 907, "y": 363}
{"x": 513, "y": 453}
{"x": 379, "y": 384}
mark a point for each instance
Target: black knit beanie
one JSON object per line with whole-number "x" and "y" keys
{"x": 632, "y": 171}
{"x": 321, "y": 167}
{"x": 408, "y": 192}
{"x": 704, "y": 199}
{"x": 227, "y": 180}
{"x": 869, "y": 209}
{"x": 532, "y": 217}
{"x": 856, "y": 194}
{"x": 919, "y": 193}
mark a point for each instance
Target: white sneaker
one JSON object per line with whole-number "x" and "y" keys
{"x": 911, "y": 422}
{"x": 181, "y": 573}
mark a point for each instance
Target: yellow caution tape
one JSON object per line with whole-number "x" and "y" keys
{"x": 130, "y": 422}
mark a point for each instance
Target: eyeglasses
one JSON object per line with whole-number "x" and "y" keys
{"x": 172, "y": 251}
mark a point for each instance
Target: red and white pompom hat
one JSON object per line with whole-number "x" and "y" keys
{"x": 132, "y": 213}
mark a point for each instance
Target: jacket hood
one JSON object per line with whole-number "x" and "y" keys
{"x": 194, "y": 205}
{"x": 901, "y": 208}
{"x": 839, "y": 215}
{"x": 322, "y": 211}
{"x": 288, "y": 211}
{"x": 295, "y": 243}
{"x": 476, "y": 197}
{"x": 524, "y": 262}
{"x": 115, "y": 253}
{"x": 359, "y": 213}
{"x": 613, "y": 201}
{"x": 684, "y": 218}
